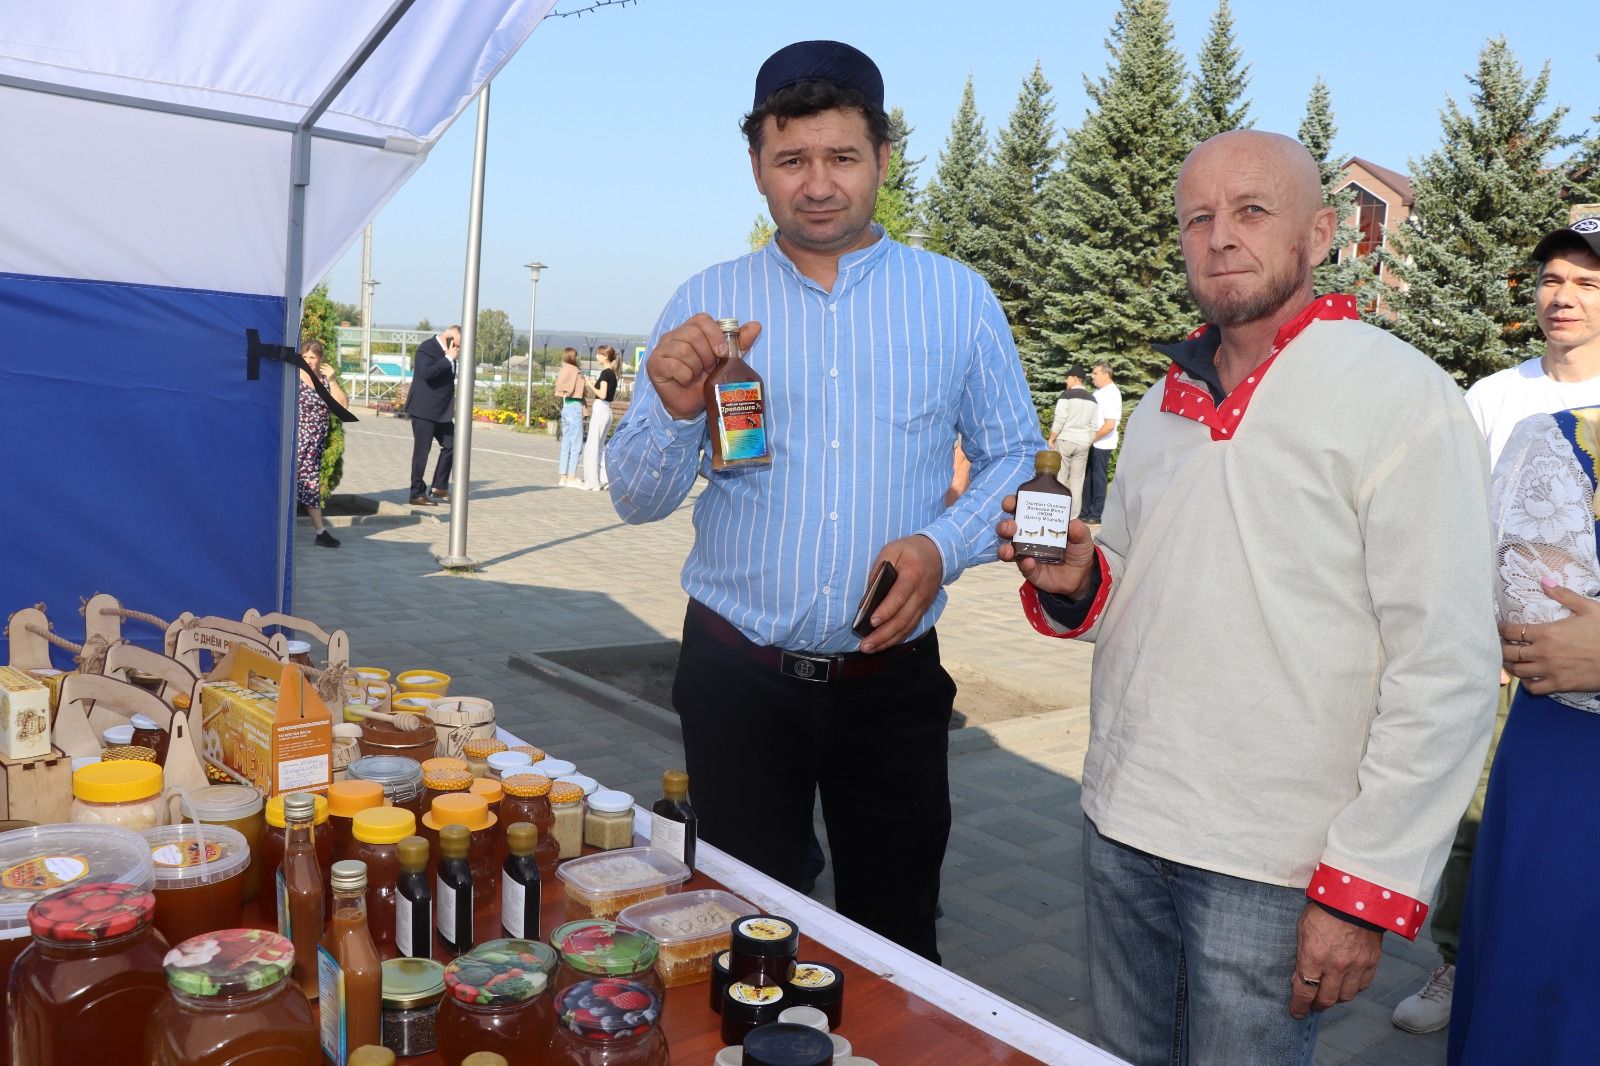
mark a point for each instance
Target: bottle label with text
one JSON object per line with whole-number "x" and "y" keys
{"x": 514, "y": 899}
{"x": 740, "y": 420}
{"x": 1042, "y": 518}
{"x": 330, "y": 1004}
{"x": 444, "y": 910}
{"x": 668, "y": 837}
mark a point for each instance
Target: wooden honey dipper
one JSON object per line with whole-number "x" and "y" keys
{"x": 406, "y": 723}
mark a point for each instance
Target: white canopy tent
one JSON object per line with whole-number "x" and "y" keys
{"x": 179, "y": 174}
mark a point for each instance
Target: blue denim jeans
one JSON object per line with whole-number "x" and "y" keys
{"x": 1188, "y": 967}
{"x": 571, "y": 439}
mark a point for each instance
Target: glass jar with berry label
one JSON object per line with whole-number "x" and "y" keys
{"x": 93, "y": 969}
{"x": 609, "y": 1021}
{"x": 497, "y": 999}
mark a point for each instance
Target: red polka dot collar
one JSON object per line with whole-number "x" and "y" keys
{"x": 1191, "y": 399}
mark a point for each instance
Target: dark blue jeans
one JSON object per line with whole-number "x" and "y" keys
{"x": 1188, "y": 967}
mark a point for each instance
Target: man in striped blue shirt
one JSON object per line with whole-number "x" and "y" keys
{"x": 875, "y": 356}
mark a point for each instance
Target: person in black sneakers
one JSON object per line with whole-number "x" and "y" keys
{"x": 313, "y": 437}
{"x": 431, "y": 404}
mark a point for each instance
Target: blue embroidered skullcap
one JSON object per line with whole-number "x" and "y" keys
{"x": 819, "y": 61}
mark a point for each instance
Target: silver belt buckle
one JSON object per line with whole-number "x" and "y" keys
{"x": 806, "y": 667}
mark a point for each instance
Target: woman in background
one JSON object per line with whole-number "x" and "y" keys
{"x": 605, "y": 390}
{"x": 569, "y": 390}
{"x": 313, "y": 436}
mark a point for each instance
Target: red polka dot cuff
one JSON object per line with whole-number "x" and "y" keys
{"x": 1394, "y": 911}
{"x": 1040, "y": 619}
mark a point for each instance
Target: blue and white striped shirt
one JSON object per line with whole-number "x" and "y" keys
{"x": 868, "y": 386}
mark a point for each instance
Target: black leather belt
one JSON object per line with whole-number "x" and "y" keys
{"x": 805, "y": 666}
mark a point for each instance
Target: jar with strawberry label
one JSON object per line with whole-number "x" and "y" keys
{"x": 497, "y": 999}
{"x": 93, "y": 969}
{"x": 609, "y": 1021}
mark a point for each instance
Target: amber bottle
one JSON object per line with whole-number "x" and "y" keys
{"x": 520, "y": 886}
{"x": 674, "y": 828}
{"x": 299, "y": 890}
{"x": 350, "y": 973}
{"x": 736, "y": 408}
{"x": 1044, "y": 507}
{"x": 453, "y": 893}
{"x": 413, "y": 901}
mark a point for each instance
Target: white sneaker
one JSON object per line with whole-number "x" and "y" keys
{"x": 1428, "y": 1010}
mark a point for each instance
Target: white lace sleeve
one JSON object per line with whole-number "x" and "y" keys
{"x": 1543, "y": 508}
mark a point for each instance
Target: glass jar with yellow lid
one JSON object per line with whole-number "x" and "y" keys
{"x": 125, "y": 793}
{"x": 566, "y": 805}
{"x": 527, "y": 799}
{"x": 346, "y": 799}
{"x": 476, "y": 752}
{"x": 377, "y": 833}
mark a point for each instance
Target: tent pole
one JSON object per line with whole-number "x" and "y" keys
{"x": 461, "y": 475}
{"x": 293, "y": 286}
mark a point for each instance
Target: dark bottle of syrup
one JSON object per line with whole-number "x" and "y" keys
{"x": 736, "y": 408}
{"x": 413, "y": 901}
{"x": 1044, "y": 507}
{"x": 519, "y": 888}
{"x": 452, "y": 896}
{"x": 674, "y": 829}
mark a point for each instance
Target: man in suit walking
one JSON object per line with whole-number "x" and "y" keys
{"x": 431, "y": 403}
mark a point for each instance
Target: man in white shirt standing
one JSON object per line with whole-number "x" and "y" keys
{"x": 1567, "y": 299}
{"x": 1109, "y": 397}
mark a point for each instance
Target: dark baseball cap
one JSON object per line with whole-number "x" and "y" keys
{"x": 1077, "y": 372}
{"x": 820, "y": 61}
{"x": 1583, "y": 234}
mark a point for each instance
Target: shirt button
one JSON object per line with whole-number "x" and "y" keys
{"x": 833, "y": 516}
{"x": 826, "y": 591}
{"x": 833, "y": 307}
{"x": 834, "y": 443}
{"x": 833, "y": 373}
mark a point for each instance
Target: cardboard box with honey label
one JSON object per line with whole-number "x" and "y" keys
{"x": 24, "y": 715}
{"x": 263, "y": 722}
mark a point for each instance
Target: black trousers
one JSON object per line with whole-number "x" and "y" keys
{"x": 1094, "y": 485}
{"x": 760, "y": 745}
{"x": 423, "y": 434}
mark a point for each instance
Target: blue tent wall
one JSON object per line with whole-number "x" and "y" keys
{"x": 141, "y": 462}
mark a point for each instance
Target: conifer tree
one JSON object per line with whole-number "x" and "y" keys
{"x": 1011, "y": 246}
{"x": 896, "y": 210}
{"x": 1215, "y": 94}
{"x": 1584, "y": 170}
{"x": 1116, "y": 281}
{"x": 1482, "y": 200}
{"x": 953, "y": 200}
{"x": 1346, "y": 273}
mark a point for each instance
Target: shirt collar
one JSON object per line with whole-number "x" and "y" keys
{"x": 853, "y": 266}
{"x": 1194, "y": 388}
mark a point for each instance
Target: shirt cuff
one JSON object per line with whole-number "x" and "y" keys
{"x": 1058, "y": 616}
{"x": 949, "y": 545}
{"x": 665, "y": 429}
{"x": 1385, "y": 908}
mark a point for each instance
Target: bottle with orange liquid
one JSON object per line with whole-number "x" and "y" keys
{"x": 736, "y": 408}
{"x": 350, "y": 973}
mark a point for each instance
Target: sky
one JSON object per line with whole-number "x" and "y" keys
{"x": 615, "y": 157}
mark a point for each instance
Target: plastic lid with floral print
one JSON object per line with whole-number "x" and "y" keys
{"x": 500, "y": 973}
{"x": 85, "y": 913}
{"x": 229, "y": 962}
{"x": 609, "y": 1008}
{"x": 600, "y": 948}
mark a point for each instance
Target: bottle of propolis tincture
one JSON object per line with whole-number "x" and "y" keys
{"x": 1044, "y": 507}
{"x": 674, "y": 828}
{"x": 519, "y": 884}
{"x": 736, "y": 408}
{"x": 413, "y": 901}
{"x": 453, "y": 892}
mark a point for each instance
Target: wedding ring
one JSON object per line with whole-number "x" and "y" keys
{"x": 1306, "y": 980}
{"x": 1524, "y": 637}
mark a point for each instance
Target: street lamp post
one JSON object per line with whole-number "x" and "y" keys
{"x": 533, "y": 308}
{"x": 917, "y": 238}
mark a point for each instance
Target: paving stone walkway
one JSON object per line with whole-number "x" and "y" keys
{"x": 558, "y": 571}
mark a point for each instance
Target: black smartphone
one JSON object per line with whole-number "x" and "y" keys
{"x": 883, "y": 580}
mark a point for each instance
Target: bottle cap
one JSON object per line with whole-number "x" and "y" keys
{"x": 117, "y": 736}
{"x": 526, "y": 785}
{"x": 522, "y": 838}
{"x": 1047, "y": 462}
{"x": 299, "y": 806}
{"x": 454, "y": 840}
{"x": 728, "y": 325}
{"x": 413, "y": 853}
{"x": 86, "y": 913}
{"x": 675, "y": 783}
{"x": 501, "y": 973}
{"x": 348, "y": 798}
{"x": 482, "y": 747}
{"x": 459, "y": 808}
{"x": 383, "y": 825}
{"x": 229, "y": 962}
{"x": 117, "y": 782}
{"x": 371, "y": 1055}
{"x": 412, "y": 983}
{"x": 509, "y": 762}
{"x": 447, "y": 780}
{"x": 349, "y": 875}
{"x": 275, "y": 815}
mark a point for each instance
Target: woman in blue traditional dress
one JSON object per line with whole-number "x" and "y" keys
{"x": 1527, "y": 984}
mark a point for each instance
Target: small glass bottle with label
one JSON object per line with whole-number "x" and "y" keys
{"x": 674, "y": 828}
{"x": 350, "y": 974}
{"x": 1044, "y": 508}
{"x": 520, "y": 886}
{"x": 413, "y": 901}
{"x": 453, "y": 904}
{"x": 736, "y": 408}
